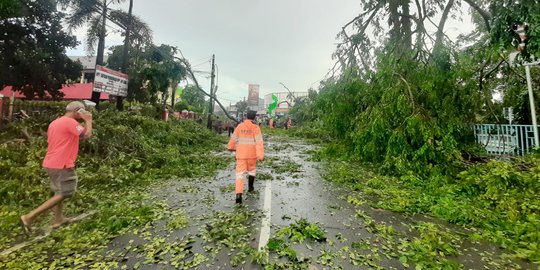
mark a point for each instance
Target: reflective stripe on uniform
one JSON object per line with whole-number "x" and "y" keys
{"x": 246, "y": 143}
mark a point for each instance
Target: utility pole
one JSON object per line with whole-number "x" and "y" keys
{"x": 101, "y": 48}
{"x": 212, "y": 92}
{"x": 531, "y": 101}
{"x": 119, "y": 101}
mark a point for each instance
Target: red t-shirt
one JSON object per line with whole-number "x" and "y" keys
{"x": 63, "y": 139}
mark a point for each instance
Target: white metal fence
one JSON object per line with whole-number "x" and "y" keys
{"x": 505, "y": 139}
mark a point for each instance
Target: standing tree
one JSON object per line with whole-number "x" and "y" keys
{"x": 194, "y": 99}
{"x": 95, "y": 14}
{"x": 241, "y": 107}
{"x": 162, "y": 71}
{"x": 32, "y": 48}
{"x": 10, "y": 8}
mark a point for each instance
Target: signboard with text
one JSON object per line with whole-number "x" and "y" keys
{"x": 253, "y": 96}
{"x": 110, "y": 81}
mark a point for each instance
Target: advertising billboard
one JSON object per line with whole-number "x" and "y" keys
{"x": 110, "y": 81}
{"x": 253, "y": 96}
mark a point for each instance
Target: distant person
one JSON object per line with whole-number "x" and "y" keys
{"x": 248, "y": 143}
{"x": 230, "y": 127}
{"x": 289, "y": 123}
{"x": 271, "y": 122}
{"x": 59, "y": 163}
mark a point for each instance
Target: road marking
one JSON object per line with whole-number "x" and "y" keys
{"x": 43, "y": 236}
{"x": 265, "y": 226}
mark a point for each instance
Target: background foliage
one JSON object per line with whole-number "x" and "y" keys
{"x": 32, "y": 55}
{"x": 127, "y": 155}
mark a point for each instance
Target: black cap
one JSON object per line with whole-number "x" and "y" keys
{"x": 251, "y": 115}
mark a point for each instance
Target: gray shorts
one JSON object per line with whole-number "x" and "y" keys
{"x": 63, "y": 181}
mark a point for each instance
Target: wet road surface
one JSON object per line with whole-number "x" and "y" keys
{"x": 202, "y": 228}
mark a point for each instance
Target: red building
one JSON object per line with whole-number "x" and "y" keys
{"x": 76, "y": 91}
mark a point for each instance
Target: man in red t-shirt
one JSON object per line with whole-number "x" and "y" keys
{"x": 59, "y": 163}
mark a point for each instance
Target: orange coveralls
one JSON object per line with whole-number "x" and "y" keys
{"x": 248, "y": 142}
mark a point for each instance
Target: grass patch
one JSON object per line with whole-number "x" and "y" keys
{"x": 500, "y": 198}
{"x": 227, "y": 189}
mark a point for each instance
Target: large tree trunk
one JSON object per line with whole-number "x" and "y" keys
{"x": 484, "y": 14}
{"x": 441, "y": 57}
{"x": 173, "y": 94}
{"x": 406, "y": 26}
{"x": 400, "y": 25}
{"x": 440, "y": 29}
{"x": 420, "y": 28}
{"x": 393, "y": 21}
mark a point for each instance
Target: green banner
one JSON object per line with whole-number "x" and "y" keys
{"x": 273, "y": 105}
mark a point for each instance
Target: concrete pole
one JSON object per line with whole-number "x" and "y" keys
{"x": 212, "y": 93}
{"x": 531, "y": 101}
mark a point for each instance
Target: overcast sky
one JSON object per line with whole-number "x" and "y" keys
{"x": 255, "y": 41}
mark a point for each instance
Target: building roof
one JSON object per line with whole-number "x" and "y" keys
{"x": 76, "y": 91}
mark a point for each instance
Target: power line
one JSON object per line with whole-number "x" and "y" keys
{"x": 206, "y": 60}
{"x": 200, "y": 64}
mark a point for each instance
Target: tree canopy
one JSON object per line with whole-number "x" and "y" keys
{"x": 194, "y": 98}
{"x": 406, "y": 97}
{"x": 153, "y": 70}
{"x": 33, "y": 58}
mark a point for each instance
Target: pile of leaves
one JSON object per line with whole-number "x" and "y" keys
{"x": 302, "y": 230}
{"x": 282, "y": 244}
{"x": 128, "y": 154}
{"x": 231, "y": 231}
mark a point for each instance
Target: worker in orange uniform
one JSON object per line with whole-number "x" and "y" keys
{"x": 248, "y": 143}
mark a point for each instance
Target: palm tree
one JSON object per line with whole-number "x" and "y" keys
{"x": 95, "y": 14}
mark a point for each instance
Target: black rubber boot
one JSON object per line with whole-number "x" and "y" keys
{"x": 251, "y": 182}
{"x": 239, "y": 198}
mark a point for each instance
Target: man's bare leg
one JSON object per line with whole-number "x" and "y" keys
{"x": 29, "y": 218}
{"x": 59, "y": 218}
